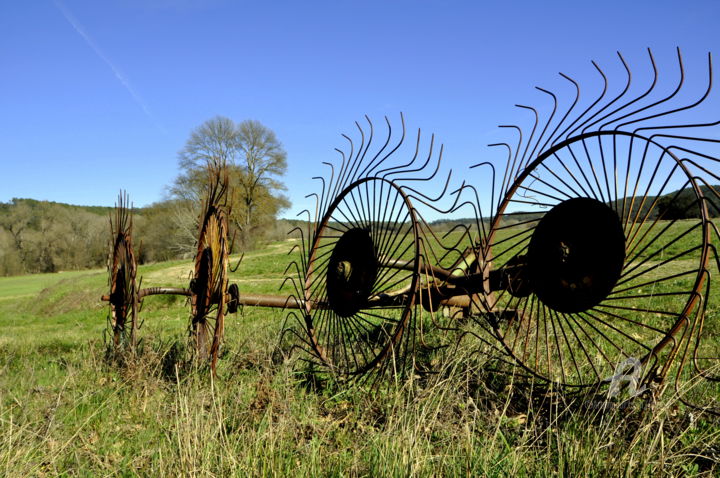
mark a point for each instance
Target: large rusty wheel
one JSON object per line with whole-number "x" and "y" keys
{"x": 359, "y": 301}
{"x": 123, "y": 297}
{"x": 596, "y": 262}
{"x": 209, "y": 284}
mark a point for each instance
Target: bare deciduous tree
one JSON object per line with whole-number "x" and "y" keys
{"x": 255, "y": 159}
{"x": 263, "y": 161}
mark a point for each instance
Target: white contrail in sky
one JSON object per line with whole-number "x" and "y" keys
{"x": 118, "y": 74}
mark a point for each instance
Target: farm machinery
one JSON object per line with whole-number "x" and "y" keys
{"x": 594, "y": 244}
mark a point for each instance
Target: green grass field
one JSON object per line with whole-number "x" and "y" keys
{"x": 67, "y": 410}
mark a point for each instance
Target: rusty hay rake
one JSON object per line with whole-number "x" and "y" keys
{"x": 594, "y": 245}
{"x": 210, "y": 294}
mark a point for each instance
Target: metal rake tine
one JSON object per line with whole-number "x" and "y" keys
{"x": 237, "y": 266}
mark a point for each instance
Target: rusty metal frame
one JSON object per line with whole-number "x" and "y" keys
{"x": 478, "y": 275}
{"x": 579, "y": 153}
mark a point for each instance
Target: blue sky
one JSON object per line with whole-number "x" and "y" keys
{"x": 99, "y": 96}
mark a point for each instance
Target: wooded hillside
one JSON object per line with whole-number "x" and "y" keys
{"x": 41, "y": 236}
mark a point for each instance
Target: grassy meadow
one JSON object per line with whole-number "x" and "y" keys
{"x": 66, "y": 409}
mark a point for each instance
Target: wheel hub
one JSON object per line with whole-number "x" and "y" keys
{"x": 351, "y": 272}
{"x": 117, "y": 297}
{"x": 200, "y": 285}
{"x": 576, "y": 255}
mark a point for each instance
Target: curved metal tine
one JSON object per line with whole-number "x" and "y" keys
{"x": 633, "y": 101}
{"x": 140, "y": 306}
{"x": 422, "y": 168}
{"x": 378, "y": 160}
{"x": 326, "y": 187}
{"x": 693, "y": 152}
{"x": 399, "y": 171}
{"x": 427, "y": 251}
{"x": 511, "y": 174}
{"x": 338, "y": 186}
{"x": 691, "y": 138}
{"x": 659, "y": 102}
{"x": 477, "y": 207}
{"x": 361, "y": 157}
{"x": 554, "y": 137}
{"x": 295, "y": 247}
{"x": 306, "y": 244}
{"x": 681, "y": 385}
{"x": 524, "y": 158}
{"x": 477, "y": 210}
{"x": 438, "y": 240}
{"x": 296, "y": 287}
{"x": 379, "y": 172}
{"x": 632, "y": 139}
{"x": 281, "y": 339}
{"x": 591, "y": 121}
{"x": 462, "y": 238}
{"x": 505, "y": 181}
{"x": 232, "y": 243}
{"x": 567, "y": 132}
{"x": 372, "y": 163}
{"x": 429, "y": 241}
{"x": 312, "y": 364}
{"x": 425, "y": 297}
{"x": 474, "y": 206}
{"x": 714, "y": 204}
{"x": 427, "y": 200}
{"x": 290, "y": 299}
{"x": 301, "y": 336}
{"x": 289, "y": 278}
{"x": 384, "y": 172}
{"x": 493, "y": 206}
{"x": 547, "y": 123}
{"x": 683, "y": 108}
{"x": 700, "y": 319}
{"x": 453, "y": 325}
{"x": 319, "y": 199}
{"x": 487, "y": 343}
{"x": 348, "y": 163}
{"x": 711, "y": 188}
{"x": 344, "y": 174}
{"x": 237, "y": 266}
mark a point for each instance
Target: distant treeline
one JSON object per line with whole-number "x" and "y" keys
{"x": 680, "y": 204}
{"x": 42, "y": 236}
